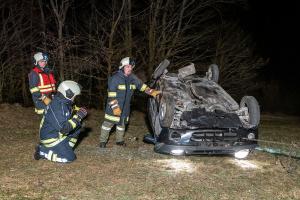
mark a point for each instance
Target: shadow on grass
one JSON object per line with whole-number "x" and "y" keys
{"x": 84, "y": 132}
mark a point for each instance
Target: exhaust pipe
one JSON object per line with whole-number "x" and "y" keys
{"x": 149, "y": 139}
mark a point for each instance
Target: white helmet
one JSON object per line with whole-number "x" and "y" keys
{"x": 69, "y": 89}
{"x": 40, "y": 56}
{"x": 127, "y": 61}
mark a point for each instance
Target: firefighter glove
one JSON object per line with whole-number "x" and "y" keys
{"x": 117, "y": 111}
{"x": 46, "y": 100}
{"x": 152, "y": 92}
{"x": 81, "y": 113}
{"x": 76, "y": 108}
{"x": 115, "y": 107}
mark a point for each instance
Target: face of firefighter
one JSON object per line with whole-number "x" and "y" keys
{"x": 42, "y": 63}
{"x": 127, "y": 70}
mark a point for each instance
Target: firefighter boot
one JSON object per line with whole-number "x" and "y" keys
{"x": 105, "y": 129}
{"x": 120, "y": 135}
{"x": 36, "y": 154}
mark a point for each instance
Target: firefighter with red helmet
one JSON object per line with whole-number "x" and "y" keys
{"x": 41, "y": 82}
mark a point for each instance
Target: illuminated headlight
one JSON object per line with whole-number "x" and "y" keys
{"x": 251, "y": 136}
{"x": 177, "y": 152}
{"x": 241, "y": 154}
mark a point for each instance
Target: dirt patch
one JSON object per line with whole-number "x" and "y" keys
{"x": 136, "y": 172}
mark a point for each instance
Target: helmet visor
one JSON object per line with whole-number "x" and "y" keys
{"x": 131, "y": 62}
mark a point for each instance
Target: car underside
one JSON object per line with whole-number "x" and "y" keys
{"x": 195, "y": 115}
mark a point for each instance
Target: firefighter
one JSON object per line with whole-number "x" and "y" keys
{"x": 121, "y": 86}
{"x": 41, "y": 82}
{"x": 59, "y": 128}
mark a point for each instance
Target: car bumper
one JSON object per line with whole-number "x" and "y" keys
{"x": 198, "y": 150}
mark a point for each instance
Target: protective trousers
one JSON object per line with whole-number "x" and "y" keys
{"x": 106, "y": 128}
{"x": 63, "y": 151}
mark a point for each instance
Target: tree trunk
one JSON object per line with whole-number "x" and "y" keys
{"x": 128, "y": 30}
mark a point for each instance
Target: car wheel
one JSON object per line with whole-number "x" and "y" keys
{"x": 213, "y": 73}
{"x": 160, "y": 69}
{"x": 250, "y": 111}
{"x": 166, "y": 110}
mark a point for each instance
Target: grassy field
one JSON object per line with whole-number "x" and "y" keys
{"x": 136, "y": 172}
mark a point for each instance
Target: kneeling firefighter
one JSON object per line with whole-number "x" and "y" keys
{"x": 120, "y": 89}
{"x": 59, "y": 129}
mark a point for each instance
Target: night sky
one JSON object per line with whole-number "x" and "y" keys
{"x": 274, "y": 25}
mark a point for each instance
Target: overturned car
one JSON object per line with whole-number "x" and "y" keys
{"x": 195, "y": 115}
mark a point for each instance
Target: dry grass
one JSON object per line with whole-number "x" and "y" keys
{"x": 136, "y": 172}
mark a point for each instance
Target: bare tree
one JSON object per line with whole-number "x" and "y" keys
{"x": 116, "y": 16}
{"x": 15, "y": 25}
{"x": 237, "y": 60}
{"x": 60, "y": 9}
{"x": 89, "y": 44}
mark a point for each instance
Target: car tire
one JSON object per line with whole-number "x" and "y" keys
{"x": 252, "y": 106}
{"x": 166, "y": 110}
{"x": 213, "y": 73}
{"x": 160, "y": 69}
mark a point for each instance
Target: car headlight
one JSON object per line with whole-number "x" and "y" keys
{"x": 177, "y": 152}
{"x": 251, "y": 136}
{"x": 241, "y": 154}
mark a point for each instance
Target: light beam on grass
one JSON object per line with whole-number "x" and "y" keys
{"x": 177, "y": 165}
{"x": 245, "y": 164}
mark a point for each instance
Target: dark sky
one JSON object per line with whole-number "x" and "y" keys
{"x": 275, "y": 24}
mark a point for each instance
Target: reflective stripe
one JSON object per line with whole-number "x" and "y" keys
{"x": 46, "y": 86}
{"x": 73, "y": 124}
{"x": 55, "y": 143}
{"x": 41, "y": 80}
{"x": 61, "y": 160}
{"x": 76, "y": 108}
{"x": 47, "y": 141}
{"x": 114, "y": 106}
{"x": 132, "y": 87}
{"x": 42, "y": 122}
{"x": 143, "y": 88}
{"x": 74, "y": 140}
{"x": 35, "y": 89}
{"x": 112, "y": 118}
{"x": 112, "y": 94}
{"x": 122, "y": 87}
{"x": 120, "y": 128}
{"x": 47, "y": 90}
{"x": 39, "y": 111}
{"x": 49, "y": 156}
{"x": 115, "y": 101}
{"x": 105, "y": 128}
{"x": 54, "y": 158}
{"x": 71, "y": 144}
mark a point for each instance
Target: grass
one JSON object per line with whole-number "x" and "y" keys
{"x": 136, "y": 172}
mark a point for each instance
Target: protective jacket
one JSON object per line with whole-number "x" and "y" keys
{"x": 58, "y": 122}
{"x": 121, "y": 88}
{"x": 41, "y": 82}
